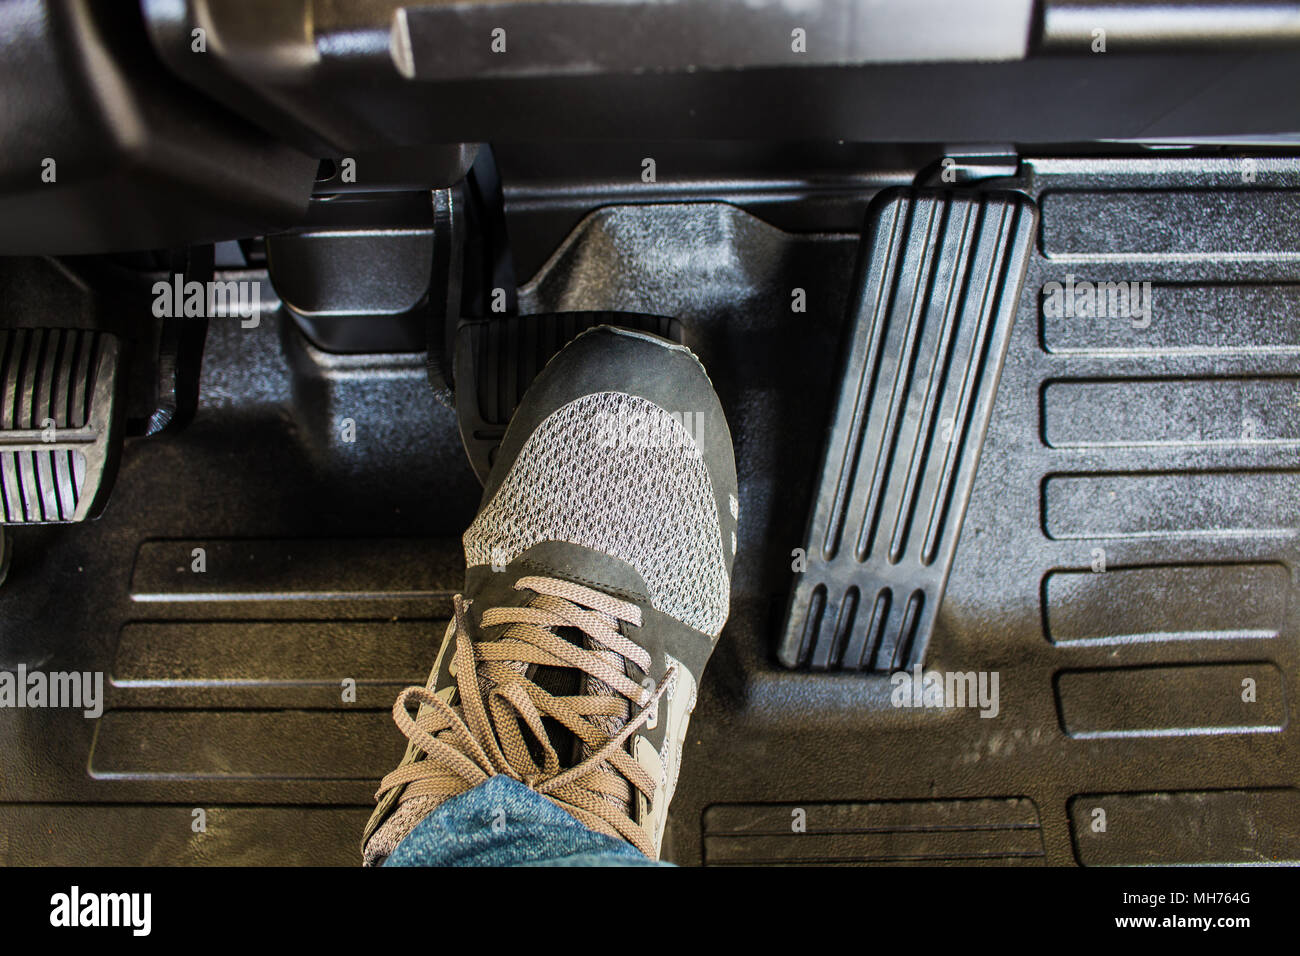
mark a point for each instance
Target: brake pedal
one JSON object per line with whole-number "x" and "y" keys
{"x": 497, "y": 359}
{"x": 59, "y": 433}
{"x": 938, "y": 282}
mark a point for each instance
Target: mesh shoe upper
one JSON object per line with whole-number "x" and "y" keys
{"x": 620, "y": 475}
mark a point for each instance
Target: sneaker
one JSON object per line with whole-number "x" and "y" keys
{"x": 598, "y": 580}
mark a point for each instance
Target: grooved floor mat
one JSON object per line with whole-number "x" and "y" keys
{"x": 1117, "y": 639}
{"x": 256, "y": 594}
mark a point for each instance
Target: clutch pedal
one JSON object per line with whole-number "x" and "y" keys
{"x": 58, "y": 424}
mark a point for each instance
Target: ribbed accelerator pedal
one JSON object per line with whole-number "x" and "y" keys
{"x": 936, "y": 291}
{"x": 58, "y": 430}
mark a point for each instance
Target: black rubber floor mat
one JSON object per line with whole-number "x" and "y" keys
{"x": 497, "y": 359}
{"x": 1117, "y": 537}
{"x": 258, "y": 590}
{"x": 1130, "y": 531}
{"x": 938, "y": 285}
{"x": 930, "y": 832}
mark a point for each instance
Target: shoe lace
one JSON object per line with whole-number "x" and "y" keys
{"x": 500, "y": 709}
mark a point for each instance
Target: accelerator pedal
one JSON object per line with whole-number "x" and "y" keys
{"x": 936, "y": 291}
{"x": 497, "y": 359}
{"x": 59, "y": 433}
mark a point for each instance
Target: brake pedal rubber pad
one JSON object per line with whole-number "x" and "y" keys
{"x": 937, "y": 285}
{"x": 496, "y": 359}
